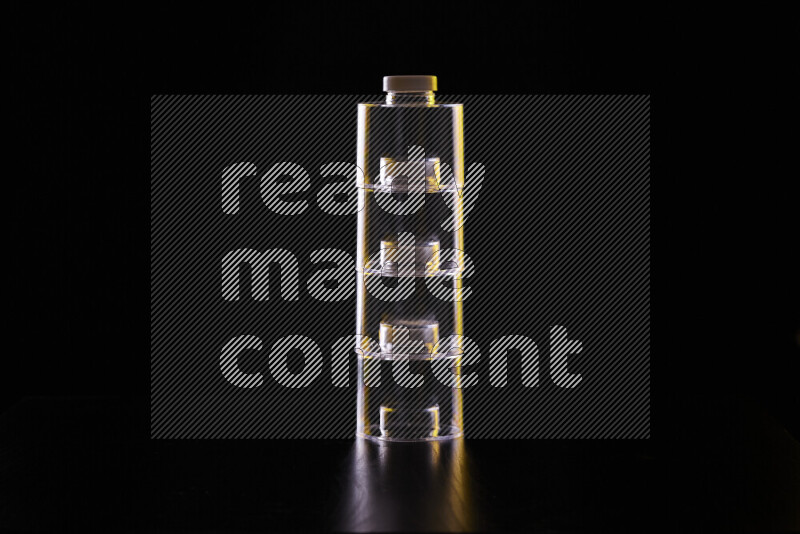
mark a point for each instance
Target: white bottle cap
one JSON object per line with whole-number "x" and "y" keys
{"x": 409, "y": 84}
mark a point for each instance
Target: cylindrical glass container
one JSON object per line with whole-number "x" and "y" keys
{"x": 409, "y": 264}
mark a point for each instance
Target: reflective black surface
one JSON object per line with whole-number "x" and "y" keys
{"x": 85, "y": 464}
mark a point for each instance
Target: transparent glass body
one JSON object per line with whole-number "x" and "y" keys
{"x": 409, "y": 263}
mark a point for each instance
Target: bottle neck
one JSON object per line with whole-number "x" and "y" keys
{"x": 424, "y": 98}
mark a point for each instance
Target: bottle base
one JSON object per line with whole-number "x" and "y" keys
{"x": 375, "y": 435}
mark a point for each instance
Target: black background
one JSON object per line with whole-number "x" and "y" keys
{"x": 724, "y": 373}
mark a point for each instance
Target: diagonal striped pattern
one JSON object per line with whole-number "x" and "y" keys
{"x": 259, "y": 263}
{"x": 249, "y": 193}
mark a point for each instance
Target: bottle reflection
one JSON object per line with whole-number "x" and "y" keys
{"x": 406, "y": 487}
